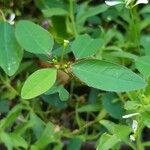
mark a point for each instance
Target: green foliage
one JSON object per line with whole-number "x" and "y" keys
{"x": 74, "y": 73}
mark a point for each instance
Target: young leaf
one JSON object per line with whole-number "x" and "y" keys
{"x": 109, "y": 125}
{"x": 10, "y": 51}
{"x": 6, "y": 139}
{"x": 143, "y": 65}
{"x": 107, "y": 76}
{"x": 89, "y": 12}
{"x": 4, "y": 106}
{"x": 48, "y": 136}
{"x": 38, "y": 125}
{"x": 33, "y": 38}
{"x": 54, "y": 12}
{"x": 85, "y": 46}
{"x": 54, "y": 100}
{"x": 132, "y": 105}
{"x": 89, "y": 108}
{"x": 146, "y": 118}
{"x": 107, "y": 141}
{"x": 38, "y": 83}
{"x": 11, "y": 117}
{"x": 18, "y": 141}
{"x": 75, "y": 144}
{"x": 63, "y": 93}
{"x": 145, "y": 42}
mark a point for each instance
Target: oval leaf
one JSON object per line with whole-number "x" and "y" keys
{"x": 85, "y": 46}
{"x": 10, "y": 51}
{"x": 38, "y": 83}
{"x": 33, "y": 38}
{"x": 107, "y": 76}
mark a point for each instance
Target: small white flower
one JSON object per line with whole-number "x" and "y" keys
{"x": 112, "y": 3}
{"x": 126, "y": 2}
{"x": 132, "y": 138}
{"x": 130, "y": 115}
{"x": 141, "y": 2}
{"x": 134, "y": 126}
{"x": 11, "y": 18}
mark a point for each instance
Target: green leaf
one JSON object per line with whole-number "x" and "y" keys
{"x": 54, "y": 100}
{"x": 145, "y": 42}
{"x": 75, "y": 144}
{"x": 122, "y": 132}
{"x": 132, "y": 105}
{"x": 146, "y": 119}
{"x": 107, "y": 76}
{"x": 11, "y": 117}
{"x": 85, "y": 46}
{"x": 120, "y": 54}
{"x": 54, "y": 12}
{"x": 38, "y": 125}
{"x": 89, "y": 12}
{"x": 44, "y": 4}
{"x": 107, "y": 142}
{"x": 38, "y": 83}
{"x": 48, "y": 136}
{"x": 18, "y": 141}
{"x": 6, "y": 139}
{"x": 63, "y": 93}
{"x": 145, "y": 9}
{"x": 23, "y": 127}
{"x": 109, "y": 125}
{"x": 4, "y": 106}
{"x": 10, "y": 51}
{"x": 112, "y": 105}
{"x": 89, "y": 108}
{"x": 143, "y": 65}
{"x": 33, "y": 38}
{"x": 52, "y": 90}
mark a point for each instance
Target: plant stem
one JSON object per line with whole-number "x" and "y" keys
{"x": 131, "y": 145}
{"x": 146, "y": 143}
{"x": 8, "y": 85}
{"x": 134, "y": 27}
{"x": 138, "y": 140}
{"x": 121, "y": 98}
{"x": 130, "y": 96}
{"x": 62, "y": 56}
{"x": 71, "y": 7}
{"x": 98, "y": 118}
{"x": 2, "y": 14}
